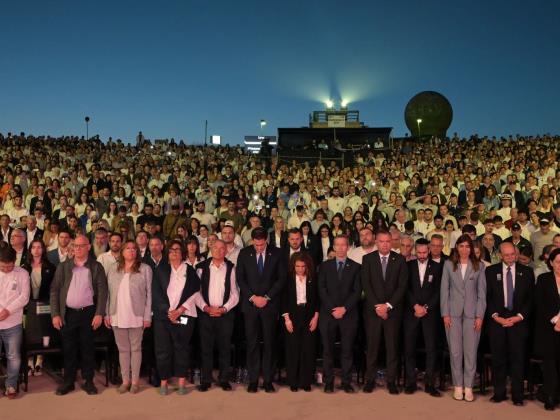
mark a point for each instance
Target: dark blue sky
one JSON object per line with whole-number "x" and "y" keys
{"x": 166, "y": 66}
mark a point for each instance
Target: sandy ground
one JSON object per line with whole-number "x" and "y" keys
{"x": 41, "y": 403}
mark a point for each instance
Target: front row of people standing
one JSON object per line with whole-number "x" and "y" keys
{"x": 271, "y": 285}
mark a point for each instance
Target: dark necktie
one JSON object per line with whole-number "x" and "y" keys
{"x": 384, "y": 266}
{"x": 340, "y": 269}
{"x": 509, "y": 279}
{"x": 260, "y": 264}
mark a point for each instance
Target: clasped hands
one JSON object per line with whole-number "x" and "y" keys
{"x": 215, "y": 311}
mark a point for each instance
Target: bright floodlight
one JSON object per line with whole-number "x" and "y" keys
{"x": 329, "y": 103}
{"x": 263, "y": 123}
{"x": 419, "y": 120}
{"x": 344, "y": 104}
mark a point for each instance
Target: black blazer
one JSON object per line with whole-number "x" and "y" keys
{"x": 392, "y": 289}
{"x": 333, "y": 292}
{"x": 9, "y": 234}
{"x": 283, "y": 239}
{"x": 47, "y": 275}
{"x": 522, "y": 295}
{"x": 270, "y": 283}
{"x": 289, "y": 299}
{"x": 547, "y": 306}
{"x": 160, "y": 282}
{"x": 38, "y": 235}
{"x": 149, "y": 261}
{"x": 429, "y": 292}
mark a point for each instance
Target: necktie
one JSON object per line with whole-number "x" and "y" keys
{"x": 339, "y": 269}
{"x": 384, "y": 266}
{"x": 260, "y": 264}
{"x": 509, "y": 279}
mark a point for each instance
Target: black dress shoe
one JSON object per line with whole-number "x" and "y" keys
{"x": 329, "y": 388}
{"x": 89, "y": 387}
{"x": 392, "y": 387}
{"x": 203, "y": 387}
{"x": 430, "y": 389}
{"x": 518, "y": 402}
{"x": 253, "y": 387}
{"x": 268, "y": 387}
{"x": 64, "y": 389}
{"x": 369, "y": 387}
{"x": 549, "y": 404}
{"x": 225, "y": 386}
{"x": 293, "y": 388}
{"x": 306, "y": 388}
{"x": 410, "y": 389}
{"x": 348, "y": 388}
{"x": 497, "y": 398}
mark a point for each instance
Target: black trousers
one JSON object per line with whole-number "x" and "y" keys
{"x": 300, "y": 349}
{"x": 412, "y": 326}
{"x": 257, "y": 321}
{"x": 215, "y": 330}
{"x": 346, "y": 327}
{"x": 172, "y": 347}
{"x": 390, "y": 328}
{"x": 508, "y": 344}
{"x": 77, "y": 335}
{"x": 551, "y": 370}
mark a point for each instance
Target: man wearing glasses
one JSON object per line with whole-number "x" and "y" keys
{"x": 78, "y": 300}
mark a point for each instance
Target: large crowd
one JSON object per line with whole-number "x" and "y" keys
{"x": 451, "y": 239}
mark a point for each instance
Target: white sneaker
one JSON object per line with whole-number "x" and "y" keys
{"x": 458, "y": 393}
{"x": 469, "y": 395}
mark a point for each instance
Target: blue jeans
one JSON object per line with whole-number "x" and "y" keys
{"x": 11, "y": 338}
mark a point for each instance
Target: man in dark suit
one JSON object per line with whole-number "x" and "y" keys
{"x": 384, "y": 279}
{"x": 421, "y": 313}
{"x": 261, "y": 276}
{"x": 5, "y": 229}
{"x": 58, "y": 255}
{"x": 42, "y": 198}
{"x": 339, "y": 292}
{"x": 32, "y": 232}
{"x": 436, "y": 249}
{"x": 509, "y": 293}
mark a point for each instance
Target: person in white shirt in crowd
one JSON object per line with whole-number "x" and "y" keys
{"x": 367, "y": 245}
{"x": 298, "y": 218}
{"x": 204, "y": 217}
{"x": 109, "y": 259}
{"x": 232, "y": 250}
{"x": 14, "y": 295}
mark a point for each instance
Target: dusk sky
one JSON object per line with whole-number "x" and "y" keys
{"x": 164, "y": 67}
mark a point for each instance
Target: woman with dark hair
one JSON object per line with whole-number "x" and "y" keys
{"x": 300, "y": 310}
{"x": 129, "y": 311}
{"x": 41, "y": 274}
{"x": 174, "y": 289}
{"x": 547, "y": 328}
{"x": 463, "y": 303}
{"x": 193, "y": 251}
{"x": 336, "y": 225}
{"x": 307, "y": 235}
{"x": 325, "y": 241}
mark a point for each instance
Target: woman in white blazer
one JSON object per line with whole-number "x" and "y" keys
{"x": 129, "y": 311}
{"x": 463, "y": 303}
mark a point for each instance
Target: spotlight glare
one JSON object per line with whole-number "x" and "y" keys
{"x": 329, "y": 103}
{"x": 344, "y": 104}
{"x": 419, "y": 120}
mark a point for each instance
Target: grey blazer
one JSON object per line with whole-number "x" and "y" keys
{"x": 463, "y": 297}
{"x": 140, "y": 287}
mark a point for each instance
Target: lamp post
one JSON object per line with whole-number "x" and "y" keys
{"x": 263, "y": 124}
{"x": 87, "y": 128}
{"x": 419, "y": 121}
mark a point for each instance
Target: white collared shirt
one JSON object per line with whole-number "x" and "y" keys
{"x": 30, "y": 236}
{"x": 176, "y": 285}
{"x": 422, "y": 266}
{"x": 301, "y": 290}
{"x": 217, "y": 288}
{"x": 14, "y": 295}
